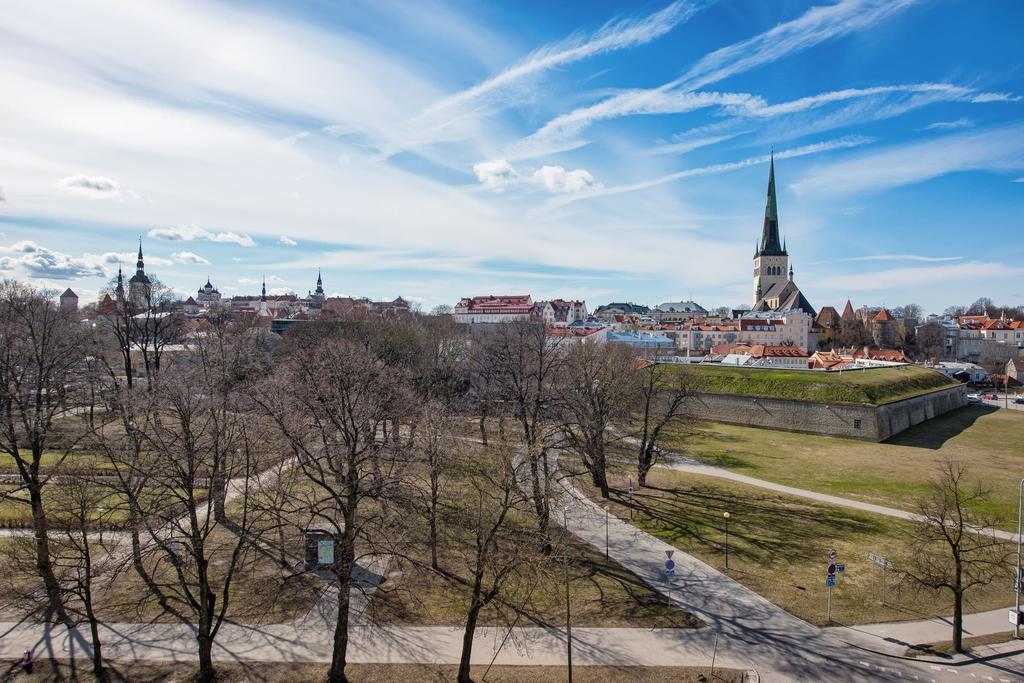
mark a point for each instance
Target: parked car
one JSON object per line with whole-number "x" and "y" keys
{"x": 974, "y": 398}
{"x": 1019, "y": 399}
{"x": 991, "y": 397}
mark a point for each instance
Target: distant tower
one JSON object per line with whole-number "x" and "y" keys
{"x": 770, "y": 258}
{"x": 318, "y": 293}
{"x": 139, "y": 286}
{"x": 119, "y": 290}
{"x": 69, "y": 301}
{"x": 263, "y": 311}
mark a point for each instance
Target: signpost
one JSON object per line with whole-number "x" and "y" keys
{"x": 670, "y": 571}
{"x": 830, "y": 579}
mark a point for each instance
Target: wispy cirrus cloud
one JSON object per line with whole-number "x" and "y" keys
{"x": 193, "y": 233}
{"x": 962, "y": 122}
{"x": 561, "y": 133}
{"x": 287, "y": 241}
{"x": 911, "y": 277}
{"x": 817, "y": 25}
{"x": 904, "y": 257}
{"x": 615, "y": 35}
{"x": 869, "y": 104}
{"x": 815, "y": 148}
{"x": 997, "y": 149}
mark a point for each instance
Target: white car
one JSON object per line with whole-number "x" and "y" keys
{"x": 974, "y": 398}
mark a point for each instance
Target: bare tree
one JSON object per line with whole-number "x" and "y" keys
{"x": 41, "y": 349}
{"x": 598, "y": 386}
{"x": 200, "y": 433}
{"x": 664, "y": 395}
{"x": 78, "y": 550}
{"x": 434, "y": 447}
{"x": 953, "y": 547}
{"x": 329, "y": 402}
{"x": 524, "y": 365}
{"x": 491, "y": 540}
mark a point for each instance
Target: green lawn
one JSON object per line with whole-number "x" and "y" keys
{"x": 874, "y": 386}
{"x": 74, "y": 459}
{"x": 893, "y": 473}
{"x": 778, "y": 546}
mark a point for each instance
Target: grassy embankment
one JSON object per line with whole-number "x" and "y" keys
{"x": 894, "y": 473}
{"x": 874, "y": 386}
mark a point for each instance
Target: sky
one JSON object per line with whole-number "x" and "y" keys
{"x": 590, "y": 150}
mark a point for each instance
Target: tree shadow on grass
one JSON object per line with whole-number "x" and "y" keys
{"x": 934, "y": 433}
{"x": 761, "y": 527}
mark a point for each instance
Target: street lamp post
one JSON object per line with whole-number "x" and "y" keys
{"x": 726, "y": 516}
{"x": 568, "y": 613}
{"x": 1016, "y": 578}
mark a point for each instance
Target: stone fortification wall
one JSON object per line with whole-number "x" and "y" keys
{"x": 873, "y": 423}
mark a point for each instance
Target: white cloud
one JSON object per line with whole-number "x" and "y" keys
{"x": 287, "y": 241}
{"x": 30, "y": 259}
{"x": 995, "y": 149}
{"x": 190, "y": 257}
{"x": 90, "y": 186}
{"x": 557, "y": 179}
{"x": 192, "y": 233}
{"x": 497, "y": 175}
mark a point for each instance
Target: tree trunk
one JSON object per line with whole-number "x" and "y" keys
{"x": 346, "y": 559}
{"x": 43, "y": 564}
{"x": 467, "y": 642}
{"x": 204, "y": 631}
{"x": 220, "y": 494}
{"x": 483, "y": 428}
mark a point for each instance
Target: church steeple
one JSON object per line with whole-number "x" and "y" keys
{"x": 263, "y": 292}
{"x": 119, "y": 290}
{"x": 140, "y": 267}
{"x": 770, "y": 245}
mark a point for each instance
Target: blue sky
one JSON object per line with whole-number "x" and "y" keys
{"x": 598, "y": 150}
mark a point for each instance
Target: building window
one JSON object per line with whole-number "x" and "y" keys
{"x": 856, "y": 424}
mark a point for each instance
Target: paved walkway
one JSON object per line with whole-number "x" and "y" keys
{"x": 753, "y": 631}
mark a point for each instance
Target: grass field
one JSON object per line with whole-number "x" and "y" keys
{"x": 874, "y": 386}
{"x": 778, "y": 546}
{"x": 893, "y": 473}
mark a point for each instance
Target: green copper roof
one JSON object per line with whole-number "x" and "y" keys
{"x": 770, "y": 234}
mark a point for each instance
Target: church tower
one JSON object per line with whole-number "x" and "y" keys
{"x": 771, "y": 261}
{"x": 139, "y": 285}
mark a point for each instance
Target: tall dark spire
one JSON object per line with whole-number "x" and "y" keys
{"x": 119, "y": 290}
{"x": 770, "y": 245}
{"x": 263, "y": 292}
{"x": 140, "y": 267}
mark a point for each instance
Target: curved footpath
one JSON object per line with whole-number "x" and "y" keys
{"x": 755, "y": 634}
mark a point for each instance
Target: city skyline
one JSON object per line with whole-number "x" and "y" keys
{"x": 600, "y": 153}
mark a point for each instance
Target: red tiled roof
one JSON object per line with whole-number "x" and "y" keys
{"x": 762, "y": 351}
{"x": 882, "y": 316}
